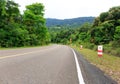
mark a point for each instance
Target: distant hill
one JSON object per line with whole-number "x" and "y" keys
{"x": 69, "y": 22}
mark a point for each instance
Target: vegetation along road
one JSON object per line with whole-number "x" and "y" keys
{"x": 55, "y": 64}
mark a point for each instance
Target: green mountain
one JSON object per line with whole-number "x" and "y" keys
{"x": 74, "y": 22}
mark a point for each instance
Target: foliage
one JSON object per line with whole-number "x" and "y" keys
{"x": 71, "y": 23}
{"x": 67, "y": 35}
{"x": 106, "y": 27}
{"x": 105, "y": 30}
{"x": 108, "y": 63}
{"x": 117, "y": 33}
{"x": 22, "y": 30}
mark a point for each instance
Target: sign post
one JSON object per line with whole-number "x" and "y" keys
{"x": 100, "y": 50}
{"x": 70, "y": 40}
{"x": 81, "y": 47}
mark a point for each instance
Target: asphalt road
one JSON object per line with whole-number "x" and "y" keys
{"x": 53, "y": 64}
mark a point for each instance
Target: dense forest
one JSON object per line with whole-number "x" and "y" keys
{"x": 71, "y": 23}
{"x": 31, "y": 28}
{"x": 18, "y": 30}
{"x": 105, "y": 30}
{"x": 106, "y": 27}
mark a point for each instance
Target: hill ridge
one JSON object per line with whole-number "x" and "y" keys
{"x": 68, "y": 22}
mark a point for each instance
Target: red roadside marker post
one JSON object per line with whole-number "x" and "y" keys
{"x": 100, "y": 50}
{"x": 81, "y": 47}
{"x": 100, "y": 53}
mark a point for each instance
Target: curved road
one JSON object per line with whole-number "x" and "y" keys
{"x": 47, "y": 65}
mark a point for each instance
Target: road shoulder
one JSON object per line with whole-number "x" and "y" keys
{"x": 92, "y": 74}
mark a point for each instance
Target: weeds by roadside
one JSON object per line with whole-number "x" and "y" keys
{"x": 107, "y": 63}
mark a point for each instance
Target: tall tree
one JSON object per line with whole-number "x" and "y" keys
{"x": 35, "y": 23}
{"x": 106, "y": 26}
{"x": 9, "y": 14}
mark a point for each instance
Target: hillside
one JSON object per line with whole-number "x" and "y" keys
{"x": 76, "y": 22}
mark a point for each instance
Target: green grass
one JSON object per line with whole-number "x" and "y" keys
{"x": 107, "y": 63}
{"x": 18, "y": 47}
{"x": 1, "y": 48}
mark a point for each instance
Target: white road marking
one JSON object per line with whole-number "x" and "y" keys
{"x": 80, "y": 77}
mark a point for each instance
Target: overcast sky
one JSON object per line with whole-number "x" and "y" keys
{"x": 64, "y": 9}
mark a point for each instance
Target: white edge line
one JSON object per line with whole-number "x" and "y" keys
{"x": 80, "y": 77}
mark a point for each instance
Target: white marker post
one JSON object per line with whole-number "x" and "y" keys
{"x": 100, "y": 50}
{"x": 81, "y": 47}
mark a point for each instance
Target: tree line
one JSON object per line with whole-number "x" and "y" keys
{"x": 71, "y": 23}
{"x": 106, "y": 27}
{"x": 28, "y": 29}
{"x": 66, "y": 35}
{"x": 105, "y": 30}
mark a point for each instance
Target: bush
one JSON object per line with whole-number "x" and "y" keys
{"x": 118, "y": 52}
{"x": 89, "y": 45}
{"x": 114, "y": 44}
{"x": 112, "y": 50}
{"x": 95, "y": 47}
{"x": 107, "y": 49}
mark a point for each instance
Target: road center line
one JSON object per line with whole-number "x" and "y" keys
{"x": 15, "y": 55}
{"x": 80, "y": 77}
{"x": 9, "y": 56}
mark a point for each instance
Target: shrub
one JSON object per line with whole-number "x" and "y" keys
{"x": 118, "y": 51}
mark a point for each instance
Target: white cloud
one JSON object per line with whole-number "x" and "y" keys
{"x": 72, "y": 8}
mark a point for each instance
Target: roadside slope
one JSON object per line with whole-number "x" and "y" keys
{"x": 108, "y": 64}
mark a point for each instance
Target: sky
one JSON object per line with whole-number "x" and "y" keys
{"x": 66, "y": 9}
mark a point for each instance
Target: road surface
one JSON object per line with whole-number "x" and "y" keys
{"x": 53, "y": 64}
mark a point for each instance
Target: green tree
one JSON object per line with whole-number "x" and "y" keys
{"x": 115, "y": 12}
{"x": 117, "y": 33}
{"x": 9, "y": 15}
{"x": 22, "y": 30}
{"x": 2, "y": 12}
{"x": 35, "y": 23}
{"x": 103, "y": 16}
{"x": 12, "y": 11}
{"x": 105, "y": 26}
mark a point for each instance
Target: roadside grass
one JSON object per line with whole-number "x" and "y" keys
{"x": 1, "y": 48}
{"x": 108, "y": 63}
{"x": 18, "y": 47}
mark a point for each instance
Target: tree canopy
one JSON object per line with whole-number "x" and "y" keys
{"x": 18, "y": 30}
{"x": 103, "y": 30}
{"x": 106, "y": 26}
